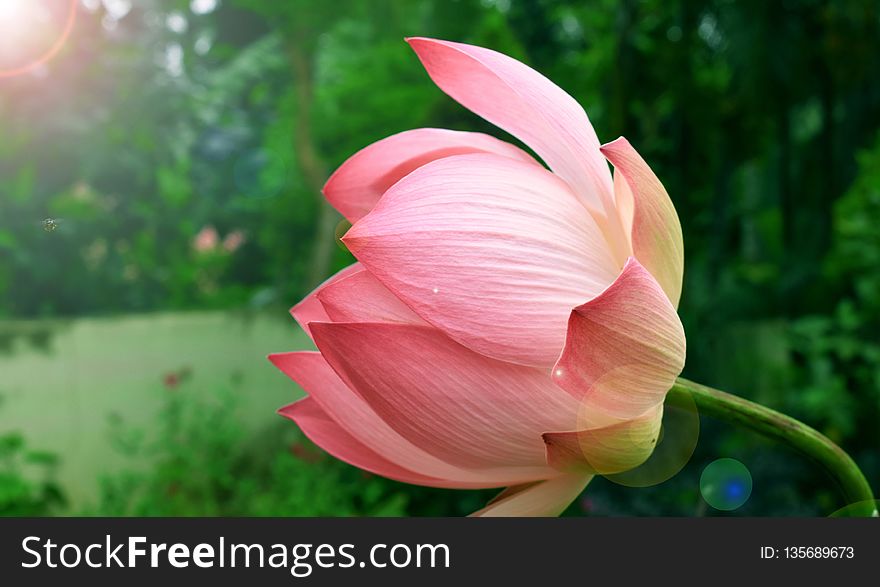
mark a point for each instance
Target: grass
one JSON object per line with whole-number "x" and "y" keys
{"x": 66, "y": 384}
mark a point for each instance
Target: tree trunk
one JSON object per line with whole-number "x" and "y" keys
{"x": 313, "y": 168}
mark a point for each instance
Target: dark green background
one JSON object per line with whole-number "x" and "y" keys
{"x": 761, "y": 118}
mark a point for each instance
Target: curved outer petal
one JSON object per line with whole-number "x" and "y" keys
{"x": 359, "y": 420}
{"x": 624, "y": 349}
{"x": 623, "y": 198}
{"x": 526, "y": 104}
{"x": 310, "y": 308}
{"x": 655, "y": 229}
{"x": 546, "y": 498}
{"x": 492, "y": 251}
{"x": 326, "y": 433}
{"x": 462, "y": 407}
{"x": 360, "y": 297}
{"x": 359, "y": 182}
{"x": 608, "y": 449}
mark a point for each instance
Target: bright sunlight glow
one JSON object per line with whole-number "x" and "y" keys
{"x": 16, "y": 16}
{"x": 32, "y": 32}
{"x": 10, "y": 9}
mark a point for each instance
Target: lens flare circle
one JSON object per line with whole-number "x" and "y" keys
{"x": 676, "y": 441}
{"x": 663, "y": 437}
{"x": 11, "y": 10}
{"x": 726, "y": 484}
{"x": 859, "y": 509}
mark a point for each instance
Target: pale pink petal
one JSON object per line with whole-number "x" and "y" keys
{"x": 493, "y": 251}
{"x": 353, "y": 414}
{"x": 359, "y": 182}
{"x": 623, "y": 351}
{"x": 310, "y": 309}
{"x": 656, "y": 232}
{"x": 460, "y": 406}
{"x": 326, "y": 433}
{"x": 608, "y": 449}
{"x": 526, "y": 104}
{"x": 360, "y": 297}
{"x": 624, "y": 199}
{"x": 543, "y": 499}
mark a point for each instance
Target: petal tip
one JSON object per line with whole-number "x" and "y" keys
{"x": 287, "y": 411}
{"x": 423, "y": 47}
{"x": 420, "y": 40}
{"x": 614, "y": 146}
{"x": 415, "y": 43}
{"x": 353, "y": 238}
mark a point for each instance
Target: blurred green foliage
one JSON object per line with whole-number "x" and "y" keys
{"x": 201, "y": 463}
{"x": 27, "y": 487}
{"x": 760, "y": 117}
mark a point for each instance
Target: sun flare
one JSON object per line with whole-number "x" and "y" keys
{"x": 12, "y": 12}
{"x": 32, "y": 32}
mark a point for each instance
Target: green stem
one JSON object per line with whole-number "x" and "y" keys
{"x": 772, "y": 424}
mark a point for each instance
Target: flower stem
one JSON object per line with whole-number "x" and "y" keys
{"x": 772, "y": 424}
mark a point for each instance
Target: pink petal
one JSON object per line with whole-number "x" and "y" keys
{"x": 493, "y": 251}
{"x": 624, "y": 199}
{"x": 326, "y": 433}
{"x": 543, "y": 499}
{"x": 624, "y": 349}
{"x": 607, "y": 449}
{"x": 359, "y": 182}
{"x": 526, "y": 104}
{"x": 354, "y": 415}
{"x": 656, "y": 232}
{"x": 462, "y": 407}
{"x": 360, "y": 297}
{"x": 310, "y": 309}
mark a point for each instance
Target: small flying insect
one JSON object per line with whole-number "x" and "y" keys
{"x": 50, "y": 224}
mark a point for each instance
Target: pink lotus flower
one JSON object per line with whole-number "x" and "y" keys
{"x": 206, "y": 240}
{"x": 506, "y": 325}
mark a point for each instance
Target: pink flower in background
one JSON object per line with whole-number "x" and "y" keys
{"x": 233, "y": 241}
{"x": 206, "y": 240}
{"x": 506, "y": 325}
